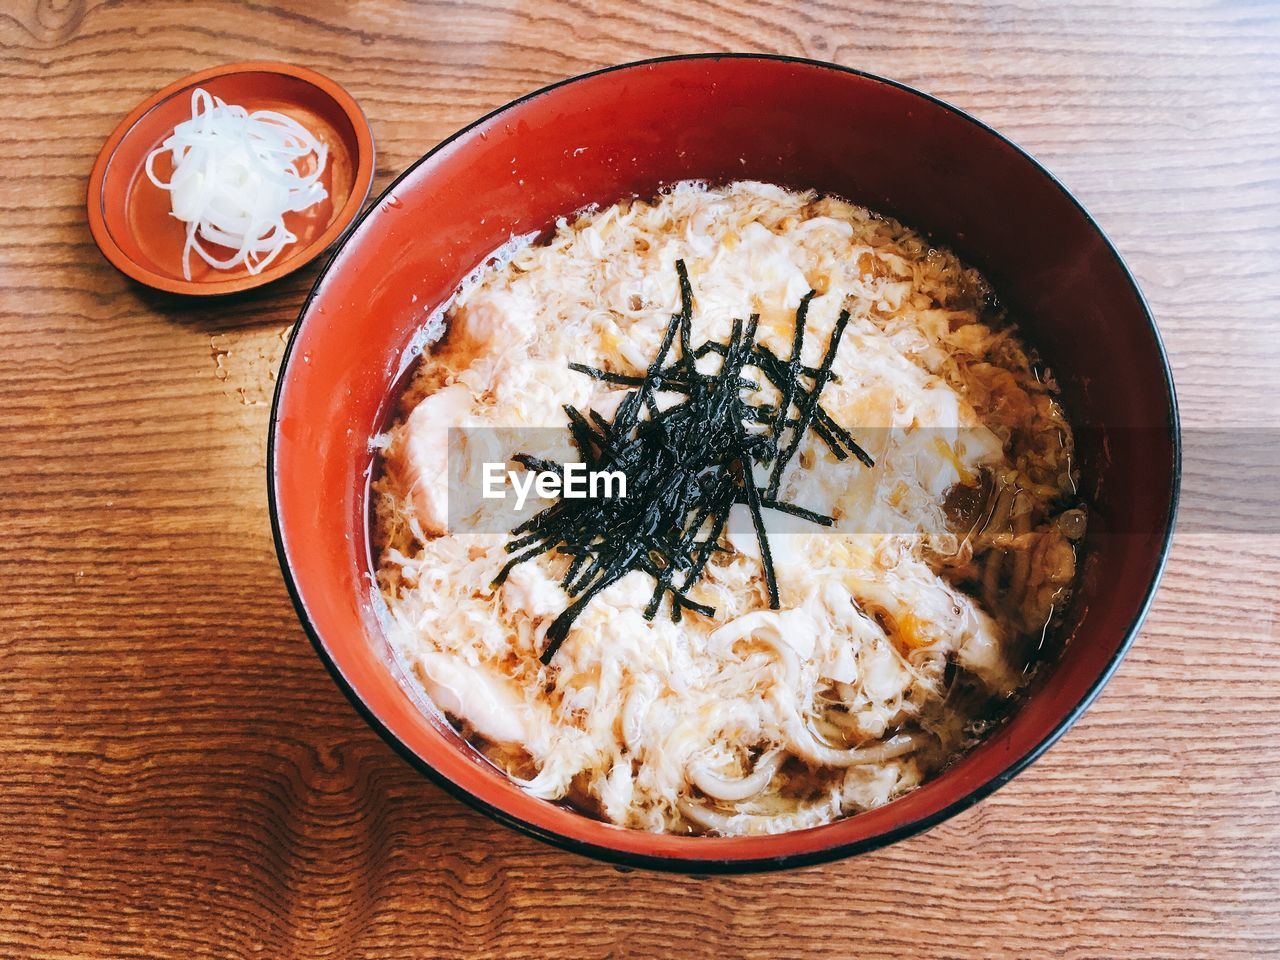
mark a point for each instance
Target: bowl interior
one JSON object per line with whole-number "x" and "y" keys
{"x": 627, "y": 132}
{"x": 136, "y": 213}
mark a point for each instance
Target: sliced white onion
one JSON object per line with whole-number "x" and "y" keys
{"x": 235, "y": 175}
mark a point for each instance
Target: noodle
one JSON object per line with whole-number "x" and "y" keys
{"x": 898, "y": 630}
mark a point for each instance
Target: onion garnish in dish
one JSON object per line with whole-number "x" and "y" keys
{"x": 235, "y": 176}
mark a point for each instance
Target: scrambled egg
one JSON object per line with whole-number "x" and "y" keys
{"x": 754, "y": 719}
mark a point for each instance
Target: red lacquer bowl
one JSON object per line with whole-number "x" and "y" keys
{"x": 628, "y": 131}
{"x": 130, "y": 216}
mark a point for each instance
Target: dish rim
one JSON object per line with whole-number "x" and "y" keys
{"x": 343, "y": 221}
{"x": 722, "y": 865}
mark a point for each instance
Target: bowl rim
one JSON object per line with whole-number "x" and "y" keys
{"x": 343, "y": 220}
{"x": 732, "y": 865}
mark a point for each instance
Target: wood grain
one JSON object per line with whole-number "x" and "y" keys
{"x": 180, "y": 778}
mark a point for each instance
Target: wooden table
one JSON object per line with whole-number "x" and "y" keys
{"x": 180, "y": 778}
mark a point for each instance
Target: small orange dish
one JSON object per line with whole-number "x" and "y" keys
{"x": 130, "y": 216}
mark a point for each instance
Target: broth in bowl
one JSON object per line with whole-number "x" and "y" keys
{"x": 847, "y": 511}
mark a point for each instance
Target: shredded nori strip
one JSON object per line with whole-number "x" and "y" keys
{"x": 686, "y": 466}
{"x": 808, "y": 401}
